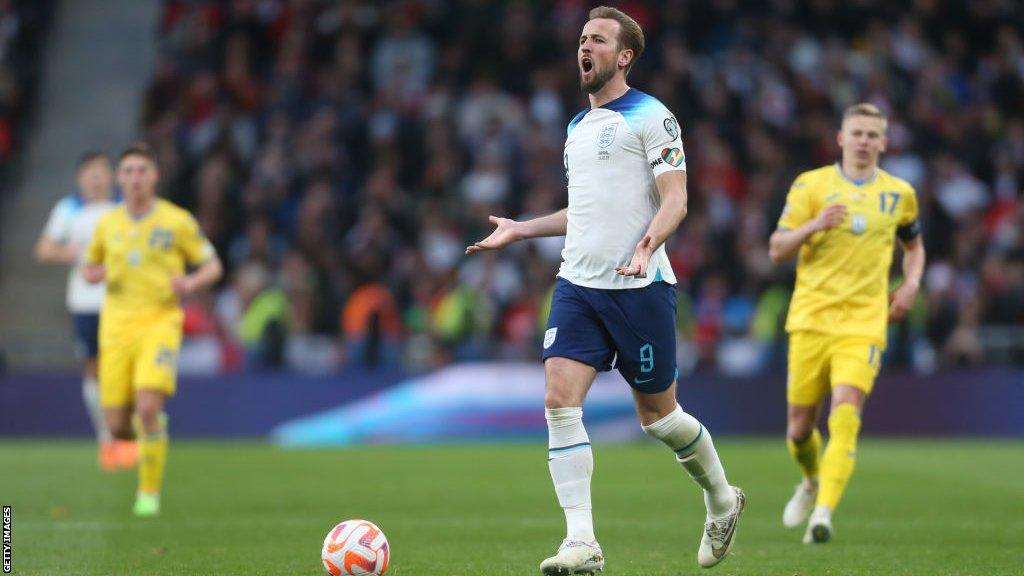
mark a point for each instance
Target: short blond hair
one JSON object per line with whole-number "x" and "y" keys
{"x": 631, "y": 36}
{"x": 865, "y": 109}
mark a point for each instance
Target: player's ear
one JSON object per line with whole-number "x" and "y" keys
{"x": 884, "y": 143}
{"x": 839, "y": 137}
{"x": 625, "y": 57}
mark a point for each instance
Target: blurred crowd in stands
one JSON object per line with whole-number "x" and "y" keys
{"x": 341, "y": 155}
{"x": 23, "y": 28}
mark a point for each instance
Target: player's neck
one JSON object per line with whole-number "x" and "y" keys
{"x": 611, "y": 90}
{"x": 140, "y": 207}
{"x": 858, "y": 173}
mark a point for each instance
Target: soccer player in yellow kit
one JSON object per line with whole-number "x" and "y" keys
{"x": 843, "y": 220}
{"x": 142, "y": 248}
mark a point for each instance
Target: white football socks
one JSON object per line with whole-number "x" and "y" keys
{"x": 91, "y": 396}
{"x": 694, "y": 449}
{"x": 571, "y": 463}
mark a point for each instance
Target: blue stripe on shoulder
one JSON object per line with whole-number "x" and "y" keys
{"x": 575, "y": 121}
{"x": 634, "y": 105}
{"x": 72, "y": 202}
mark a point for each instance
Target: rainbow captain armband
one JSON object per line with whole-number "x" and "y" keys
{"x": 910, "y": 231}
{"x": 673, "y": 156}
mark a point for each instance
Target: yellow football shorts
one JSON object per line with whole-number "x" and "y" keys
{"x": 819, "y": 361}
{"x": 138, "y": 355}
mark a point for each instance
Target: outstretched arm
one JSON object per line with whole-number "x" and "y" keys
{"x": 784, "y": 244}
{"x": 509, "y": 231}
{"x": 672, "y": 189}
{"x": 902, "y": 299}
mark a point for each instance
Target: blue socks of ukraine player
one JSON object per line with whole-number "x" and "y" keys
{"x": 571, "y": 462}
{"x": 694, "y": 449}
{"x": 840, "y": 454}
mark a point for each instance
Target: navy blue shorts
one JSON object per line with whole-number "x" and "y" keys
{"x": 87, "y": 335}
{"x": 633, "y": 330}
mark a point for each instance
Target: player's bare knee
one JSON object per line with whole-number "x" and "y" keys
{"x": 798, "y": 434}
{"x": 800, "y": 421}
{"x": 552, "y": 400}
{"x": 149, "y": 417}
{"x": 555, "y": 397}
{"x": 562, "y": 394}
{"x": 567, "y": 382}
{"x": 799, "y": 428}
{"x": 653, "y": 407}
{"x": 148, "y": 408}
{"x": 117, "y": 423}
{"x": 847, "y": 394}
{"x": 647, "y": 416}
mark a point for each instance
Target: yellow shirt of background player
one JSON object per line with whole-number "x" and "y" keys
{"x": 842, "y": 282}
{"x": 142, "y": 255}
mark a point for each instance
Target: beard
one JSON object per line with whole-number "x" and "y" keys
{"x": 600, "y": 78}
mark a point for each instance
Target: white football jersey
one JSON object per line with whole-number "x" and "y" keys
{"x": 612, "y": 155}
{"x": 72, "y": 222}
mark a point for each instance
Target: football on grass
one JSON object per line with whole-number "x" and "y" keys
{"x": 356, "y": 548}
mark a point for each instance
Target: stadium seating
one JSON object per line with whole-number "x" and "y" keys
{"x": 331, "y": 146}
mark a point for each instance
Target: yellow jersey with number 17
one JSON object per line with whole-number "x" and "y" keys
{"x": 142, "y": 255}
{"x": 842, "y": 274}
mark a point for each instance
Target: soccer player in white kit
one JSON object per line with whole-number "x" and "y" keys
{"x": 64, "y": 239}
{"x": 614, "y": 303}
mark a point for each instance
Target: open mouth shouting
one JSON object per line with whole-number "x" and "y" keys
{"x": 586, "y": 66}
{"x": 592, "y": 76}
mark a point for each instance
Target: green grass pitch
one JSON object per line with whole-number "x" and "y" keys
{"x": 931, "y": 508}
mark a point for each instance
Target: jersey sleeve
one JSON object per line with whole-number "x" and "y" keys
{"x": 193, "y": 243}
{"x": 908, "y": 227}
{"x": 798, "y": 207}
{"x": 58, "y": 226}
{"x": 662, "y": 141}
{"x": 96, "y": 251}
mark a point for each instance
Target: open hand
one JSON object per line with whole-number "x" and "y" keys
{"x": 507, "y": 232}
{"x": 641, "y": 258}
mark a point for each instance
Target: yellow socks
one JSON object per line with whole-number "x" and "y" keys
{"x": 807, "y": 454}
{"x": 840, "y": 454}
{"x": 152, "y": 455}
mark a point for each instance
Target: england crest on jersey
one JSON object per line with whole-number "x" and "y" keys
{"x": 549, "y": 337}
{"x": 607, "y": 135}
